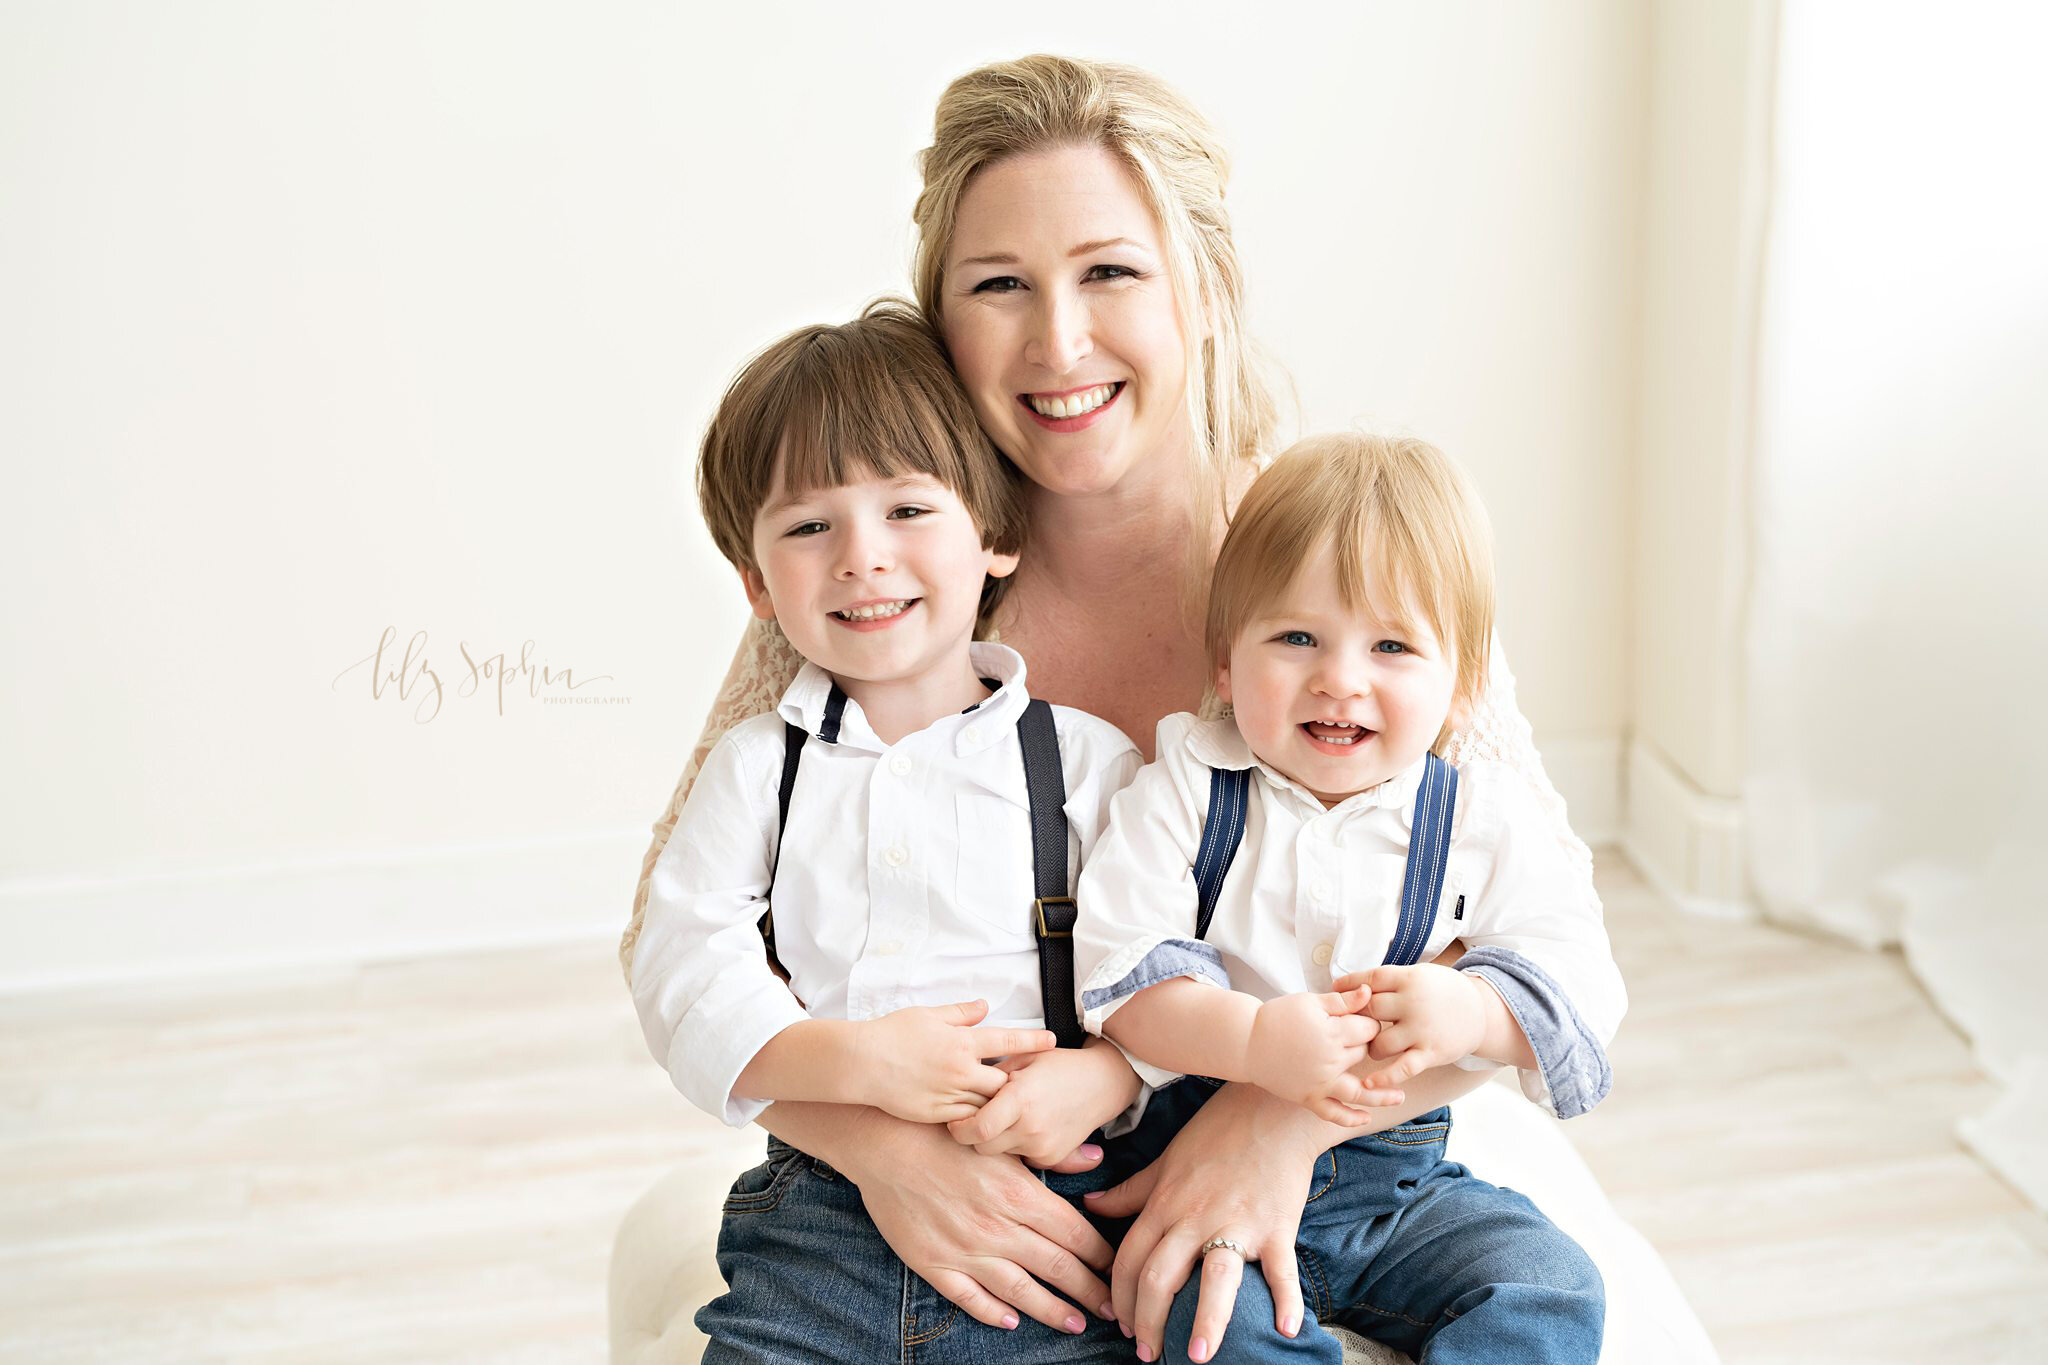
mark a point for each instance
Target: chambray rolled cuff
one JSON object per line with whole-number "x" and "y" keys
{"x": 1165, "y": 960}
{"x": 1573, "y": 1065}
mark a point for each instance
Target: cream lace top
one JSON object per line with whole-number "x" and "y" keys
{"x": 765, "y": 666}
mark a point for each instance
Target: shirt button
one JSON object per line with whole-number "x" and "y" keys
{"x": 900, "y": 765}
{"x": 1319, "y": 892}
{"x": 971, "y": 735}
{"x": 1321, "y": 956}
{"x": 897, "y": 856}
{"x": 888, "y": 948}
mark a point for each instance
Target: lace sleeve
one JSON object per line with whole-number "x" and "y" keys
{"x": 761, "y": 672}
{"x": 1501, "y": 734}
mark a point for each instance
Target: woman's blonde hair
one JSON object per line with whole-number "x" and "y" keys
{"x": 1180, "y": 168}
{"x": 1407, "y": 529}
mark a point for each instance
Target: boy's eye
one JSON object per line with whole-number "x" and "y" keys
{"x": 909, "y": 512}
{"x": 808, "y": 528}
{"x": 1296, "y": 637}
{"x": 999, "y": 284}
{"x": 1390, "y": 647}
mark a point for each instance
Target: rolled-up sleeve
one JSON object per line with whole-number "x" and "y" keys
{"x": 707, "y": 999}
{"x": 1544, "y": 948}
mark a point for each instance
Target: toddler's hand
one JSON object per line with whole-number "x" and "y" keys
{"x": 927, "y": 1063}
{"x": 1303, "y": 1047}
{"x": 1051, "y": 1104}
{"x": 1429, "y": 1016}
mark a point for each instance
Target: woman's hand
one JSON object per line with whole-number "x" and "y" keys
{"x": 982, "y": 1230}
{"x": 1241, "y": 1170}
{"x": 1051, "y": 1103}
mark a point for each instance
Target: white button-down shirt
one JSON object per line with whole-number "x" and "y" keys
{"x": 905, "y": 877}
{"x": 1315, "y": 893}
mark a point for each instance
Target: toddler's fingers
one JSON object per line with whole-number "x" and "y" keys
{"x": 965, "y": 1013}
{"x": 984, "y": 1123}
{"x": 1013, "y": 1042}
{"x": 1406, "y": 1067}
{"x": 1385, "y": 1005}
{"x": 1391, "y": 1042}
{"x": 1355, "y": 1030}
{"x": 985, "y": 1081}
{"x": 1086, "y": 1157}
{"x": 1387, "y": 978}
{"x": 1330, "y": 1111}
{"x": 1350, "y": 1090}
{"x": 1352, "y": 981}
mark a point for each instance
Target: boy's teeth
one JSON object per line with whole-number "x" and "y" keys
{"x": 875, "y": 612}
{"x": 1073, "y": 404}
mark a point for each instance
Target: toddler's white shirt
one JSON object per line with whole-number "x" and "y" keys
{"x": 1315, "y": 893}
{"x": 906, "y": 877}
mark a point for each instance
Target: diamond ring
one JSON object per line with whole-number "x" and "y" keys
{"x": 1225, "y": 1244}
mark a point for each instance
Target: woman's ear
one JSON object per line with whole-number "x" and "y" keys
{"x": 757, "y": 594}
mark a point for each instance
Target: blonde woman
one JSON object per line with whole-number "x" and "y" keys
{"x": 1074, "y": 251}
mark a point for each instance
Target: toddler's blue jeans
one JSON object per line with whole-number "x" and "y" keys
{"x": 1396, "y": 1243}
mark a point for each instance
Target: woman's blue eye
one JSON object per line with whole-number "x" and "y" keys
{"x": 1113, "y": 272}
{"x": 1390, "y": 647}
{"x": 999, "y": 284}
{"x": 1297, "y": 637}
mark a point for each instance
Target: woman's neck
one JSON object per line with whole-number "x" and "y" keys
{"x": 1094, "y": 548}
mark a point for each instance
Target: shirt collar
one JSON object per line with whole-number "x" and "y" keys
{"x": 1219, "y": 744}
{"x": 806, "y": 703}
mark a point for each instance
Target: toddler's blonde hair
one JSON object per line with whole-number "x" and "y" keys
{"x": 1408, "y": 533}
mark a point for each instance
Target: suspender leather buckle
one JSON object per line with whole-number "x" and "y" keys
{"x": 1063, "y": 916}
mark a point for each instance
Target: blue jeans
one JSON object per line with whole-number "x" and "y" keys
{"x": 1398, "y": 1244}
{"x": 809, "y": 1278}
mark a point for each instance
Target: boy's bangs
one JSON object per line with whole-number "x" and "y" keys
{"x": 837, "y": 434}
{"x": 1380, "y": 570}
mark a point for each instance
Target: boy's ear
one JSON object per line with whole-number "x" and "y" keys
{"x": 757, "y": 594}
{"x": 1002, "y": 565}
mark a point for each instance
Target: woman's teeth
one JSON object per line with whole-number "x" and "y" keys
{"x": 1073, "y": 404}
{"x": 875, "y": 612}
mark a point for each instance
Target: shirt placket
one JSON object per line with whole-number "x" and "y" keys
{"x": 899, "y": 861}
{"x": 1319, "y": 913}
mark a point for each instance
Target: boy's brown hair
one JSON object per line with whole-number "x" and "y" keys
{"x": 872, "y": 396}
{"x": 1408, "y": 531}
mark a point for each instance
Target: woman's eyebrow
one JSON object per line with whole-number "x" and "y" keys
{"x": 1084, "y": 249}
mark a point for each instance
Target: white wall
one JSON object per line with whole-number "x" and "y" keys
{"x": 320, "y": 320}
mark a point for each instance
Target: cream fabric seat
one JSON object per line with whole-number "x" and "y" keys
{"x": 662, "y": 1260}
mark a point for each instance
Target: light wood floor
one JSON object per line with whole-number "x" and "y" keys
{"x": 425, "y": 1161}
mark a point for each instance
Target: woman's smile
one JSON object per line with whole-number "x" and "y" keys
{"x": 1075, "y": 410}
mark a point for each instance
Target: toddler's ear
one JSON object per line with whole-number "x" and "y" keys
{"x": 757, "y": 594}
{"x": 1223, "y": 682}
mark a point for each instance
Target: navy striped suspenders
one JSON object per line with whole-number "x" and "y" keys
{"x": 1052, "y": 909}
{"x": 1422, "y": 882}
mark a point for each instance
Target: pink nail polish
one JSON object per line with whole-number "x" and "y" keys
{"x": 1090, "y": 1150}
{"x": 1107, "y": 1311}
{"x": 1198, "y": 1349}
{"x": 1289, "y": 1325}
{"x": 1144, "y": 1352}
{"x": 1123, "y": 1327}
{"x": 1074, "y": 1324}
{"x": 1095, "y": 1194}
{"x": 1009, "y": 1322}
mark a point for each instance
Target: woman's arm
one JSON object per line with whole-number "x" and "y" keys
{"x": 762, "y": 669}
{"x": 982, "y": 1230}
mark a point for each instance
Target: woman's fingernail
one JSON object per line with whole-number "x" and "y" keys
{"x": 1090, "y": 1150}
{"x": 1095, "y": 1194}
{"x": 1290, "y": 1324}
{"x": 1123, "y": 1327}
{"x": 1198, "y": 1349}
{"x": 1009, "y": 1322}
{"x": 1144, "y": 1352}
{"x": 1074, "y": 1324}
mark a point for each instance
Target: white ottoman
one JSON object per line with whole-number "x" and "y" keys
{"x": 662, "y": 1260}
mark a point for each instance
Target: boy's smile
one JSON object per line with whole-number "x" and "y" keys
{"x": 877, "y": 581}
{"x": 1331, "y": 695}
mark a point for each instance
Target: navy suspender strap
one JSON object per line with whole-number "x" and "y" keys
{"x": 1422, "y": 883}
{"x": 1222, "y": 832}
{"x": 1052, "y": 909}
{"x": 1429, "y": 853}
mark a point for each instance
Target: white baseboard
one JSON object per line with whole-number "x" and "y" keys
{"x": 1586, "y": 770}
{"x": 325, "y": 913}
{"x": 1686, "y": 843}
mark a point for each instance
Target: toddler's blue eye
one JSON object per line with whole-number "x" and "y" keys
{"x": 1391, "y": 647}
{"x": 1297, "y": 637}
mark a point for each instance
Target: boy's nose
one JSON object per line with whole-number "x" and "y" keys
{"x": 862, "y": 555}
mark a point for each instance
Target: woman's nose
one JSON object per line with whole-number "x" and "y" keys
{"x": 1063, "y": 336}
